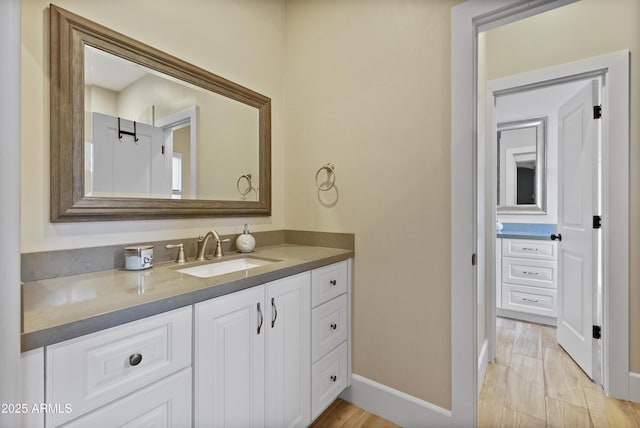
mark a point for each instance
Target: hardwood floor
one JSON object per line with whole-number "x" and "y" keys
{"x": 342, "y": 414}
{"x": 534, "y": 383}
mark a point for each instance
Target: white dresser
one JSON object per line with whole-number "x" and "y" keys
{"x": 527, "y": 279}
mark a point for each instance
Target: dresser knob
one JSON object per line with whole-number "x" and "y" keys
{"x": 334, "y": 378}
{"x": 333, "y": 282}
{"x": 135, "y": 359}
{"x": 334, "y": 326}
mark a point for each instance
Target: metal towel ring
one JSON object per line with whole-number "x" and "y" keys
{"x": 249, "y": 187}
{"x": 331, "y": 178}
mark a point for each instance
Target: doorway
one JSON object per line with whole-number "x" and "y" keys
{"x": 536, "y": 279}
{"x": 468, "y": 20}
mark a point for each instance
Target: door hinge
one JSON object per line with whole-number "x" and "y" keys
{"x": 597, "y": 222}
{"x": 162, "y": 149}
{"x": 473, "y": 259}
{"x": 597, "y": 112}
{"x": 597, "y": 332}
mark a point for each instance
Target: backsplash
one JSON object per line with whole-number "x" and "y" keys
{"x": 53, "y": 264}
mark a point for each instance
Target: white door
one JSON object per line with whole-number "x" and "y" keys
{"x": 122, "y": 165}
{"x": 288, "y": 400}
{"x": 229, "y": 360}
{"x": 577, "y": 150}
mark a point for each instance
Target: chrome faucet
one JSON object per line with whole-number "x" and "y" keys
{"x": 202, "y": 245}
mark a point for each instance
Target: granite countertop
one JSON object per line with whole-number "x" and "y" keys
{"x": 66, "y": 307}
{"x": 538, "y": 231}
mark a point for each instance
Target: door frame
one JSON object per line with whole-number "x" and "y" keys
{"x": 467, "y": 20}
{"x": 588, "y": 69}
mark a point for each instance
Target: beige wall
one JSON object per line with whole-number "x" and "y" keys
{"x": 201, "y": 32}
{"x": 581, "y": 30}
{"x": 367, "y": 87}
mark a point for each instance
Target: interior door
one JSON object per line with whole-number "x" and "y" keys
{"x": 123, "y": 165}
{"x": 577, "y": 149}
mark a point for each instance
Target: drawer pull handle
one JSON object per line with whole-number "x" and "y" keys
{"x": 530, "y": 273}
{"x": 334, "y": 326}
{"x": 275, "y": 312}
{"x": 261, "y": 318}
{"x": 333, "y": 282}
{"x": 529, "y": 249}
{"x": 135, "y": 359}
{"x": 334, "y": 378}
{"x": 524, "y": 299}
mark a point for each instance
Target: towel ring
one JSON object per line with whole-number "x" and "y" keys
{"x": 249, "y": 185}
{"x": 331, "y": 178}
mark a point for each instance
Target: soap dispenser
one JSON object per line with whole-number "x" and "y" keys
{"x": 245, "y": 243}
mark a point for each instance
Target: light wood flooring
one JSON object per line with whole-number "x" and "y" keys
{"x": 342, "y": 414}
{"x": 534, "y": 383}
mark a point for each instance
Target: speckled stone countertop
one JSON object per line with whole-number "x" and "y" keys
{"x": 63, "y": 308}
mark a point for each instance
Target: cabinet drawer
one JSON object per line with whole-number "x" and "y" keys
{"x": 529, "y": 249}
{"x": 536, "y": 273}
{"x": 328, "y": 379}
{"x": 328, "y": 282}
{"x": 166, "y": 403}
{"x": 535, "y": 300}
{"x": 93, "y": 370}
{"x": 328, "y": 326}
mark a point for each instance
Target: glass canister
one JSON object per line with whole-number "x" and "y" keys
{"x": 138, "y": 257}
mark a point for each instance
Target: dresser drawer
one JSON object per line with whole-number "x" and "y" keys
{"x": 536, "y": 273}
{"x": 328, "y": 326}
{"x": 93, "y": 370}
{"x": 529, "y": 249}
{"x": 328, "y": 379}
{"x": 328, "y": 282}
{"x": 166, "y": 403}
{"x": 535, "y": 300}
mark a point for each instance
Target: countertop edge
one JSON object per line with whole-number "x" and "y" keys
{"x": 59, "y": 333}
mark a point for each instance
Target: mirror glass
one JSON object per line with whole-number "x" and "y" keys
{"x": 521, "y": 167}
{"x": 137, "y": 133}
{"x": 163, "y": 159}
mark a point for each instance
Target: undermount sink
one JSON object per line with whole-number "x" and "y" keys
{"x": 220, "y": 268}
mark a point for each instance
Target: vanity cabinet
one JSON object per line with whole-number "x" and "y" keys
{"x": 330, "y": 333}
{"x": 528, "y": 278}
{"x": 112, "y": 367}
{"x": 252, "y": 356}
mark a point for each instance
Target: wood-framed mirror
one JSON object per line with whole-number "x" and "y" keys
{"x": 195, "y": 145}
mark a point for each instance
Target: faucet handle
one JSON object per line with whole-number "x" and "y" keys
{"x": 218, "y": 251}
{"x": 180, "y": 258}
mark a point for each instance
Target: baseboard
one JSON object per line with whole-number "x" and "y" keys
{"x": 634, "y": 387}
{"x": 483, "y": 360}
{"x": 393, "y": 405}
{"x": 524, "y": 316}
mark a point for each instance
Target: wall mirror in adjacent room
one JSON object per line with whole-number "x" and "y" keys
{"x": 137, "y": 133}
{"x": 521, "y": 166}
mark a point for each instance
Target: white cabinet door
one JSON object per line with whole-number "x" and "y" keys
{"x": 229, "y": 360}
{"x": 288, "y": 398}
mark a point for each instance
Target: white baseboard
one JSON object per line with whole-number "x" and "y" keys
{"x": 634, "y": 387}
{"x": 539, "y": 319}
{"x": 393, "y": 405}
{"x": 483, "y": 360}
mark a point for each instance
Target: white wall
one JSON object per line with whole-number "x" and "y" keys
{"x": 10, "y": 217}
{"x": 241, "y": 41}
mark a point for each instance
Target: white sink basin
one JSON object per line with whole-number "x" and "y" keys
{"x": 228, "y": 266}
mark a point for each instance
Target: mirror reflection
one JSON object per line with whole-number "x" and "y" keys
{"x": 149, "y": 135}
{"x": 521, "y": 166}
